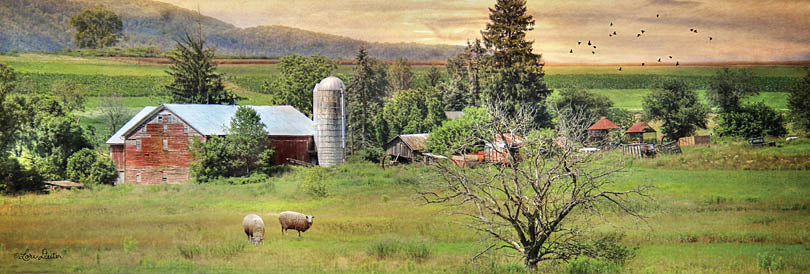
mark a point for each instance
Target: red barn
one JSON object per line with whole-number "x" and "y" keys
{"x": 153, "y": 146}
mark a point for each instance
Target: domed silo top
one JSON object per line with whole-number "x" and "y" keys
{"x": 331, "y": 83}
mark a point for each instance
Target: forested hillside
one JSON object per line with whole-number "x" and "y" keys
{"x": 41, "y": 25}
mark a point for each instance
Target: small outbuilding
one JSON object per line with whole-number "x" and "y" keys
{"x": 406, "y": 146}
{"x": 636, "y": 132}
{"x": 599, "y": 132}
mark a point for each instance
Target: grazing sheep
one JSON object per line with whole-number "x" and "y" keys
{"x": 254, "y": 228}
{"x": 294, "y": 220}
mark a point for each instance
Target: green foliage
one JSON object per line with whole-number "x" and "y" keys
{"x": 255, "y": 178}
{"x": 316, "y": 182}
{"x": 243, "y": 151}
{"x": 448, "y": 138}
{"x": 367, "y": 154}
{"x": 298, "y": 76}
{"x": 770, "y": 262}
{"x": 88, "y": 168}
{"x": 585, "y": 265}
{"x": 8, "y": 121}
{"x": 575, "y": 100}
{"x": 400, "y": 75}
{"x": 14, "y": 178}
{"x": 677, "y": 107}
{"x": 195, "y": 79}
{"x": 96, "y": 28}
{"x": 729, "y": 87}
{"x": 57, "y": 138}
{"x": 607, "y": 247}
{"x": 7, "y": 79}
{"x": 515, "y": 73}
{"x": 413, "y": 111}
{"x": 129, "y": 244}
{"x": 751, "y": 120}
{"x": 96, "y": 85}
{"x": 365, "y": 94}
{"x": 466, "y": 70}
{"x": 621, "y": 117}
{"x": 432, "y": 77}
{"x": 72, "y": 95}
{"x": 799, "y": 103}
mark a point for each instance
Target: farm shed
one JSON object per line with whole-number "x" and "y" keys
{"x": 153, "y": 146}
{"x": 599, "y": 132}
{"x": 59, "y": 185}
{"x": 496, "y": 151}
{"x": 636, "y": 131}
{"x": 406, "y": 146}
{"x": 695, "y": 140}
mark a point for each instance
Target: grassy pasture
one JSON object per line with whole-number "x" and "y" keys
{"x": 698, "y": 221}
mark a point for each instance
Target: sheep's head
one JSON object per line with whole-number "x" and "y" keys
{"x": 309, "y": 219}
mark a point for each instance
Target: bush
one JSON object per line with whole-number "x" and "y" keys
{"x": 255, "y": 178}
{"x": 368, "y": 154}
{"x": 769, "y": 262}
{"x": 585, "y": 265}
{"x": 752, "y": 120}
{"x": 389, "y": 247}
{"x": 14, "y": 178}
{"x": 88, "y": 168}
{"x": 316, "y": 182}
{"x": 607, "y": 247}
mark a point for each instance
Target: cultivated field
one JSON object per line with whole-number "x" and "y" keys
{"x": 725, "y": 208}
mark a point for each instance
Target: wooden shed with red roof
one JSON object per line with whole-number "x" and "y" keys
{"x": 636, "y": 131}
{"x": 599, "y": 132}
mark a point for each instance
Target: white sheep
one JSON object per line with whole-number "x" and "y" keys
{"x": 294, "y": 220}
{"x": 254, "y": 228}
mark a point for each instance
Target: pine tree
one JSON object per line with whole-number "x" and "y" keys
{"x": 365, "y": 94}
{"x": 195, "y": 78}
{"x": 516, "y": 73}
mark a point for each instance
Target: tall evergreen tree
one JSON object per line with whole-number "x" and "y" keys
{"x": 799, "y": 103}
{"x": 516, "y": 73}
{"x": 195, "y": 78}
{"x": 465, "y": 69}
{"x": 365, "y": 95}
{"x": 299, "y": 74}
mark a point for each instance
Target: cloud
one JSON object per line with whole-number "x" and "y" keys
{"x": 680, "y": 3}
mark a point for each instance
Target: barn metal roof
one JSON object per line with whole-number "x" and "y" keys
{"x": 216, "y": 119}
{"x": 117, "y": 138}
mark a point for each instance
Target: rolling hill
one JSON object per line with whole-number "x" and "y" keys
{"x": 41, "y": 25}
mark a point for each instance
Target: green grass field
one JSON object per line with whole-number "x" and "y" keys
{"x": 697, "y": 221}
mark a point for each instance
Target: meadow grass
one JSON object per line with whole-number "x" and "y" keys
{"x": 372, "y": 221}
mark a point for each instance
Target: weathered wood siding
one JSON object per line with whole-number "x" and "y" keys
{"x": 155, "y": 162}
{"x": 398, "y": 148}
{"x": 117, "y": 155}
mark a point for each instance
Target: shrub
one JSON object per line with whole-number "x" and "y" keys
{"x": 129, "y": 244}
{"x": 752, "y": 120}
{"x": 316, "y": 183}
{"x": 585, "y": 265}
{"x": 255, "y": 178}
{"x": 607, "y": 247}
{"x": 769, "y": 262}
{"x": 384, "y": 248}
{"x": 389, "y": 247}
{"x": 369, "y": 154}
{"x": 14, "y": 178}
{"x": 88, "y": 168}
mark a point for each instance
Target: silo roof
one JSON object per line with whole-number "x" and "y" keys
{"x": 330, "y": 83}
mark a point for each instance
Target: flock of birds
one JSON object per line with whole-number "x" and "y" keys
{"x": 592, "y": 46}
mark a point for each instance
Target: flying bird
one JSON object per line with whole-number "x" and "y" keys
{"x": 620, "y": 68}
{"x": 710, "y": 38}
{"x": 611, "y": 35}
{"x": 638, "y": 35}
{"x": 670, "y": 57}
{"x": 677, "y": 63}
{"x": 594, "y": 46}
{"x": 614, "y": 32}
{"x": 659, "y": 60}
{"x": 579, "y": 43}
{"x": 657, "y": 15}
{"x": 589, "y": 42}
{"x": 593, "y": 52}
{"x": 572, "y": 50}
{"x": 692, "y": 30}
{"x": 696, "y": 31}
{"x": 611, "y": 24}
{"x": 642, "y": 64}
{"x": 642, "y": 31}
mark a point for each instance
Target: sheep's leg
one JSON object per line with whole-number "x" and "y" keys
{"x": 299, "y": 233}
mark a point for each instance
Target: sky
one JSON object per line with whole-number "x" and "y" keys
{"x": 741, "y": 30}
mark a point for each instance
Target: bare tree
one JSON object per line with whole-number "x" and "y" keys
{"x": 525, "y": 201}
{"x": 113, "y": 109}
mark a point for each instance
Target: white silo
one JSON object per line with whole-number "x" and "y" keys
{"x": 330, "y": 121}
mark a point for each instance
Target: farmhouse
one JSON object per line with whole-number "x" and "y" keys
{"x": 153, "y": 146}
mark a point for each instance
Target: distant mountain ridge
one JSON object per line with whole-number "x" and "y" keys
{"x": 41, "y": 25}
